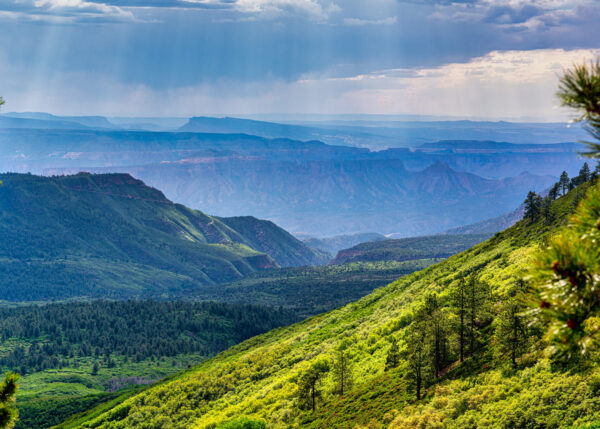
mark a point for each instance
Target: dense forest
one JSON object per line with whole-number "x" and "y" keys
{"x": 36, "y": 338}
{"x": 311, "y": 290}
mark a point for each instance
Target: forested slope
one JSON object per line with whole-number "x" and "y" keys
{"x": 266, "y": 377}
{"x": 111, "y": 236}
{"x": 406, "y": 249}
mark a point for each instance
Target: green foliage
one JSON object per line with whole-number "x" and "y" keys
{"x": 47, "y": 412}
{"x": 311, "y": 290}
{"x": 393, "y": 356}
{"x": 580, "y": 90}
{"x": 309, "y": 385}
{"x": 8, "y": 390}
{"x": 533, "y": 205}
{"x": 243, "y": 423}
{"x": 511, "y": 334}
{"x": 566, "y": 279}
{"x": 342, "y": 372}
{"x": 260, "y": 378}
{"x": 36, "y": 338}
{"x": 406, "y": 249}
{"x": 110, "y": 236}
{"x": 416, "y": 355}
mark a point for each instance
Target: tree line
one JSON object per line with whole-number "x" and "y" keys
{"x": 537, "y": 206}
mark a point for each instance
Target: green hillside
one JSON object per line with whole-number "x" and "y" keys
{"x": 264, "y": 378}
{"x": 406, "y": 249}
{"x": 110, "y": 236}
{"x": 276, "y": 242}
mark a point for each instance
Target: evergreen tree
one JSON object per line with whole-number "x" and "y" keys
{"x": 393, "y": 356}
{"x": 533, "y": 204}
{"x": 95, "y": 368}
{"x": 459, "y": 305}
{"x": 566, "y": 271}
{"x": 564, "y": 182}
{"x": 476, "y": 310}
{"x": 342, "y": 373}
{"x": 546, "y": 210}
{"x": 8, "y": 411}
{"x": 417, "y": 356}
{"x": 435, "y": 324}
{"x": 584, "y": 174}
{"x": 510, "y": 334}
{"x": 309, "y": 383}
{"x": 554, "y": 191}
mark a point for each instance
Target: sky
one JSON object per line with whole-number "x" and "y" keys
{"x": 458, "y": 58}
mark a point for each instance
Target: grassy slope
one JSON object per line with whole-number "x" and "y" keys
{"x": 257, "y": 378}
{"x": 112, "y": 236}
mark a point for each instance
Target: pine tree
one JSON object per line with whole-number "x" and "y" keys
{"x": 393, "y": 355}
{"x": 459, "y": 305}
{"x": 532, "y": 206}
{"x": 554, "y": 191}
{"x": 510, "y": 334}
{"x": 417, "y": 356}
{"x": 546, "y": 210}
{"x": 342, "y": 373}
{"x": 564, "y": 182}
{"x": 476, "y": 308}
{"x": 580, "y": 90}
{"x": 309, "y": 383}
{"x": 584, "y": 174}
{"x": 435, "y": 325}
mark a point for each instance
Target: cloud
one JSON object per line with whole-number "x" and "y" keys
{"x": 64, "y": 11}
{"x": 121, "y": 10}
{"x": 515, "y": 13}
{"x": 359, "y": 22}
{"x": 500, "y": 84}
{"x": 506, "y": 14}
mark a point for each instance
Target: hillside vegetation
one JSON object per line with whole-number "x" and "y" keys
{"x": 72, "y": 356}
{"x": 406, "y": 249}
{"x": 310, "y": 290}
{"x": 110, "y": 236}
{"x": 268, "y": 378}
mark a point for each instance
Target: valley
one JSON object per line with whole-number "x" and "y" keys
{"x": 260, "y": 378}
{"x": 300, "y": 214}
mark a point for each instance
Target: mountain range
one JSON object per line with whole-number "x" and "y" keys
{"x": 331, "y": 197}
{"x": 307, "y": 187}
{"x": 112, "y": 236}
